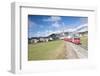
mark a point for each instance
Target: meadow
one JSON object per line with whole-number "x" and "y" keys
{"x": 46, "y": 50}
{"x": 84, "y": 42}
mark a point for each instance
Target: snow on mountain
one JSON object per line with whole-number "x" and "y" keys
{"x": 81, "y": 28}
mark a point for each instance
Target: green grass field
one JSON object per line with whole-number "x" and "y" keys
{"x": 46, "y": 50}
{"x": 84, "y": 41}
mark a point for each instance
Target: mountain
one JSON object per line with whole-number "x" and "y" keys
{"x": 81, "y": 28}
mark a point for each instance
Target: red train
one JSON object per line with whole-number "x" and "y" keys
{"x": 74, "y": 39}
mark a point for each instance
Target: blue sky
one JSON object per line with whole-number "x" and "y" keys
{"x": 39, "y": 25}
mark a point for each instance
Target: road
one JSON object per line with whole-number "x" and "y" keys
{"x": 74, "y": 51}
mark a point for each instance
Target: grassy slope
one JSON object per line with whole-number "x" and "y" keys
{"x": 46, "y": 50}
{"x": 84, "y": 41}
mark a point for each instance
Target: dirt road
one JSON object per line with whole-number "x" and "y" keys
{"x": 74, "y": 51}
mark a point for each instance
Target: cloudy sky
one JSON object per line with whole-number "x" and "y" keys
{"x": 39, "y": 25}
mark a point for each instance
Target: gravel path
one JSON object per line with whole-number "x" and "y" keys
{"x": 74, "y": 51}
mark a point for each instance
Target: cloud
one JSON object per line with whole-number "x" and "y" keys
{"x": 53, "y": 19}
{"x": 56, "y": 25}
{"x": 43, "y": 33}
{"x": 65, "y": 29}
{"x": 46, "y": 33}
{"x": 31, "y": 23}
{"x": 40, "y": 34}
{"x": 54, "y": 31}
